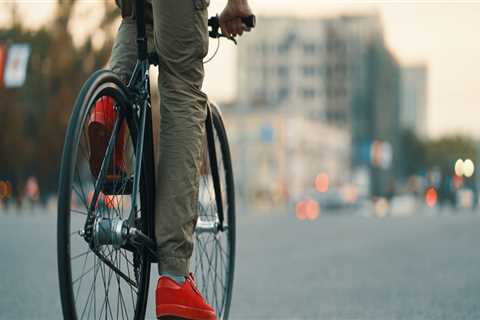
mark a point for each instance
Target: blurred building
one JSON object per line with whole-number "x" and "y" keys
{"x": 334, "y": 71}
{"x": 414, "y": 98}
{"x": 363, "y": 96}
{"x": 283, "y": 63}
{"x": 277, "y": 155}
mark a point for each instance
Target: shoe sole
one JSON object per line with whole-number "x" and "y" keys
{"x": 174, "y": 311}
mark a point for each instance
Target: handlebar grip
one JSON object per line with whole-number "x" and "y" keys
{"x": 249, "y": 21}
{"x": 214, "y": 23}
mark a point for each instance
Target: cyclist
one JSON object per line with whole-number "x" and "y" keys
{"x": 177, "y": 31}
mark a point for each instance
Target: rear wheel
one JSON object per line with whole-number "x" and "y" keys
{"x": 213, "y": 260}
{"x": 99, "y": 279}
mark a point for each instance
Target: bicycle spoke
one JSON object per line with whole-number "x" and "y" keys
{"x": 83, "y": 269}
{"x": 89, "y": 295}
{"x": 121, "y": 295}
{"x": 80, "y": 255}
{"x": 78, "y": 211}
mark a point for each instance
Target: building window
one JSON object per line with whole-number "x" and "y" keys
{"x": 309, "y": 48}
{"x": 308, "y": 71}
{"x": 282, "y": 72}
{"x": 329, "y": 71}
{"x": 283, "y": 93}
{"x": 308, "y": 93}
{"x": 321, "y": 71}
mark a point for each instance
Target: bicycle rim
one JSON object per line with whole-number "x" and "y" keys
{"x": 90, "y": 286}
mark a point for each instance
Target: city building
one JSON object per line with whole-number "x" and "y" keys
{"x": 414, "y": 98}
{"x": 277, "y": 155}
{"x": 337, "y": 72}
{"x": 283, "y": 63}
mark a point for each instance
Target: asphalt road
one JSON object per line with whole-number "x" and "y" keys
{"x": 337, "y": 267}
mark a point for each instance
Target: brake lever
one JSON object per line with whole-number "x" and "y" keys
{"x": 221, "y": 35}
{"x": 215, "y": 34}
{"x": 213, "y": 22}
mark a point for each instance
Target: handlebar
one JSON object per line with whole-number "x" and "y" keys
{"x": 214, "y": 23}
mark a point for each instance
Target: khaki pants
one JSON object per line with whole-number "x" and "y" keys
{"x": 177, "y": 30}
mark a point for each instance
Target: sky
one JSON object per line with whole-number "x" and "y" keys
{"x": 441, "y": 34}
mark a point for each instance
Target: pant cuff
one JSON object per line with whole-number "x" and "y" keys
{"x": 174, "y": 265}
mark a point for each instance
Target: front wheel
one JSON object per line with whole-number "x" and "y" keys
{"x": 100, "y": 279}
{"x": 213, "y": 260}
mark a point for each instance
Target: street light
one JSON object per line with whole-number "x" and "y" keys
{"x": 459, "y": 167}
{"x": 468, "y": 168}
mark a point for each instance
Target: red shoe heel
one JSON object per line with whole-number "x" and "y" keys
{"x": 184, "y": 301}
{"x": 99, "y": 130}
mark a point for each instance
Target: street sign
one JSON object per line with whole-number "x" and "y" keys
{"x": 16, "y": 65}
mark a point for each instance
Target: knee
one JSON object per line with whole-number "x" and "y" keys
{"x": 180, "y": 90}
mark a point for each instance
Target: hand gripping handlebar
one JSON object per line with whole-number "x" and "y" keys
{"x": 214, "y": 23}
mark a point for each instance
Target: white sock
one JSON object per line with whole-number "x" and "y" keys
{"x": 178, "y": 279}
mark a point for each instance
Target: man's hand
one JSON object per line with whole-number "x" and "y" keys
{"x": 230, "y": 18}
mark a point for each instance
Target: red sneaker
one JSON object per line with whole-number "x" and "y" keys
{"x": 100, "y": 127}
{"x": 184, "y": 301}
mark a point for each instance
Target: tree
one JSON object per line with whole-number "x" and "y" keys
{"x": 34, "y": 117}
{"x": 443, "y": 152}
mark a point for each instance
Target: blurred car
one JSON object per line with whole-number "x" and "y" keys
{"x": 329, "y": 200}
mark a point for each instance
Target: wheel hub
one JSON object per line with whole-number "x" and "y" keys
{"x": 113, "y": 231}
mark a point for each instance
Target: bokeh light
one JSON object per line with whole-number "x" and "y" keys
{"x": 431, "y": 197}
{"x": 322, "y": 182}
{"x": 459, "y": 167}
{"x": 468, "y": 168}
{"x": 312, "y": 210}
{"x": 3, "y": 189}
{"x": 307, "y": 209}
{"x": 457, "y": 182}
{"x": 300, "y": 211}
{"x": 349, "y": 193}
{"x": 381, "y": 207}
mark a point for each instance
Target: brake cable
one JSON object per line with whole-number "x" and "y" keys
{"x": 214, "y": 54}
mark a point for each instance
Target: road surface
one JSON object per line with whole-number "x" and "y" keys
{"x": 340, "y": 266}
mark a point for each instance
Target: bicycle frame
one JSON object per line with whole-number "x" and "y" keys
{"x": 139, "y": 93}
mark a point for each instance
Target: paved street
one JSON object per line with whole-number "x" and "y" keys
{"x": 337, "y": 267}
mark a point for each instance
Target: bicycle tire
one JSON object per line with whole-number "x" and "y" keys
{"x": 206, "y": 282}
{"x": 101, "y": 83}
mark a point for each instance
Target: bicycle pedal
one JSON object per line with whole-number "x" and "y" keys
{"x": 118, "y": 186}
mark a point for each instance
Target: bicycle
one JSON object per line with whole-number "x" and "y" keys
{"x": 105, "y": 227}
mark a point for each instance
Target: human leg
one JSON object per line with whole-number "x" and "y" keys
{"x": 122, "y": 62}
{"x": 181, "y": 41}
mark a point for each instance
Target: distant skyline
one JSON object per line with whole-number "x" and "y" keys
{"x": 441, "y": 34}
